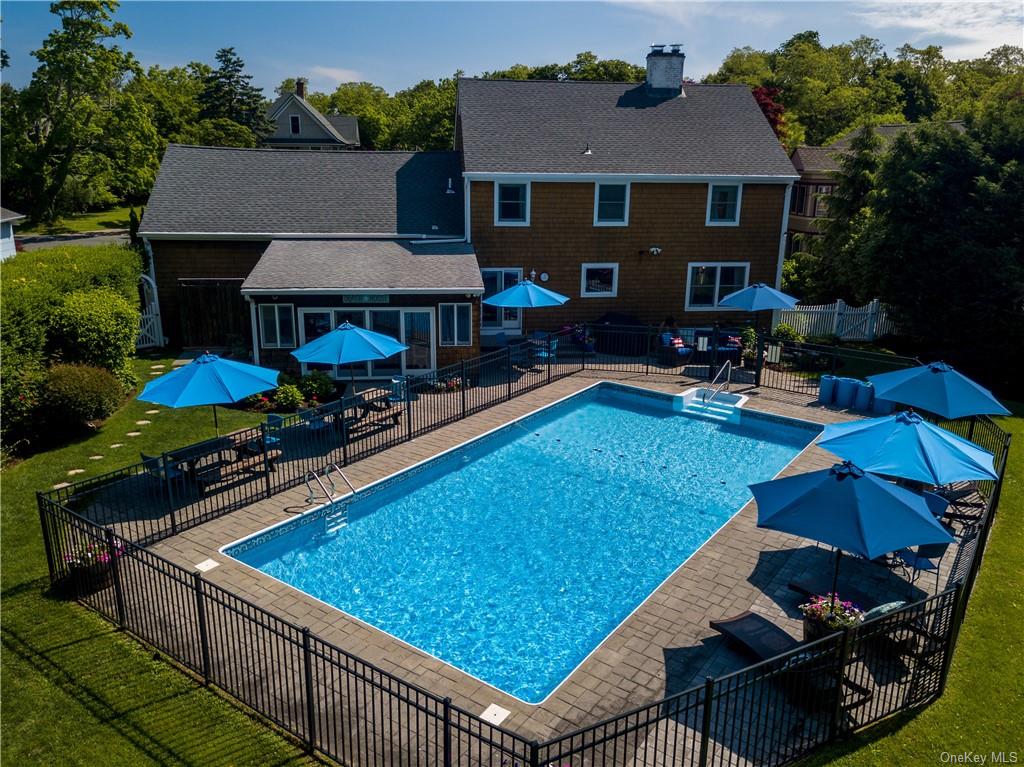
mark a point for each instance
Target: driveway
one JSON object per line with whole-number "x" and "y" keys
{"x": 38, "y": 241}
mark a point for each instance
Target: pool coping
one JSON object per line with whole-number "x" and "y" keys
{"x": 311, "y": 515}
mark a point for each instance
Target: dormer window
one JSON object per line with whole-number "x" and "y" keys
{"x": 295, "y": 126}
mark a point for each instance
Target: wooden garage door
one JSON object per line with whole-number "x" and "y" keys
{"x": 213, "y": 314}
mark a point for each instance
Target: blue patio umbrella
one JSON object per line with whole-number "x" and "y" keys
{"x": 526, "y": 295}
{"x": 848, "y": 508}
{"x": 905, "y": 445}
{"x": 937, "y": 388}
{"x": 208, "y": 380}
{"x": 348, "y": 344}
{"x": 758, "y": 297}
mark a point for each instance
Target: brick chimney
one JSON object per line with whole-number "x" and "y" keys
{"x": 300, "y": 87}
{"x": 665, "y": 70}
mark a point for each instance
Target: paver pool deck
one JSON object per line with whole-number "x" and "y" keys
{"x": 664, "y": 647}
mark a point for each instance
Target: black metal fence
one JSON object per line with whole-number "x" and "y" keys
{"x": 356, "y": 713}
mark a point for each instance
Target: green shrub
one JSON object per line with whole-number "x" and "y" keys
{"x": 317, "y": 385}
{"x": 288, "y": 397}
{"x": 21, "y": 389}
{"x": 786, "y": 332}
{"x": 97, "y": 327}
{"x": 76, "y": 395}
{"x": 748, "y": 337}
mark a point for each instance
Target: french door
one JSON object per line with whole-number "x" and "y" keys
{"x": 413, "y": 327}
{"x": 494, "y": 319}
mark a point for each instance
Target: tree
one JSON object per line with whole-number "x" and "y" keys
{"x": 218, "y": 131}
{"x": 228, "y": 93}
{"x": 747, "y": 66}
{"x": 371, "y": 105}
{"x": 171, "y": 96}
{"x": 586, "y": 66}
{"x": 425, "y": 115}
{"x": 77, "y": 80}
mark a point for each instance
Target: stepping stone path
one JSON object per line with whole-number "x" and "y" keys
{"x": 73, "y": 472}
{"x": 95, "y": 457}
{"x": 142, "y": 423}
{"x": 155, "y": 373}
{"x": 157, "y": 367}
{"x": 117, "y": 444}
{"x": 134, "y": 434}
{"x": 59, "y": 485}
{"x": 152, "y": 412}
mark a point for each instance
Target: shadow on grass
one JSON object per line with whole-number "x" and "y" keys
{"x": 170, "y": 720}
{"x": 857, "y": 741}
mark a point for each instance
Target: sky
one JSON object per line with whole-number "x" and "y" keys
{"x": 397, "y": 44}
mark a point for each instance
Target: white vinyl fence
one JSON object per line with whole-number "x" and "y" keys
{"x": 849, "y": 323}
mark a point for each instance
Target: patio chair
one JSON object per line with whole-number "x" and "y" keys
{"x": 926, "y": 558}
{"x": 546, "y": 353}
{"x": 156, "y": 467}
{"x": 399, "y": 387}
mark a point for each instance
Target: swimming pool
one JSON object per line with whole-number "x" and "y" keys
{"x": 513, "y": 556}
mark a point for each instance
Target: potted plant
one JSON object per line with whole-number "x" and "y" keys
{"x": 89, "y": 569}
{"x": 826, "y": 614}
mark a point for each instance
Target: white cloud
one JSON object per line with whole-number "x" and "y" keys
{"x": 686, "y": 14}
{"x": 966, "y": 29}
{"x": 334, "y": 75}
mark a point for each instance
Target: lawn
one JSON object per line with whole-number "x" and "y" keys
{"x": 115, "y": 218}
{"x": 75, "y": 691}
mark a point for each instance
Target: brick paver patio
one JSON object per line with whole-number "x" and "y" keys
{"x": 664, "y": 647}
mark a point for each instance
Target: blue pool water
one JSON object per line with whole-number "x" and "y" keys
{"x": 513, "y": 557}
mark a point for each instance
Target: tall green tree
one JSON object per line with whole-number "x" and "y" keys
{"x": 228, "y": 93}
{"x": 77, "y": 81}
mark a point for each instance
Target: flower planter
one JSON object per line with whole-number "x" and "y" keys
{"x": 83, "y": 580}
{"x": 814, "y": 629}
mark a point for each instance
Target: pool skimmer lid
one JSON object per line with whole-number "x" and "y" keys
{"x": 495, "y": 714}
{"x": 206, "y": 565}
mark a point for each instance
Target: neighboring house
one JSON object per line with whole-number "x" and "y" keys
{"x": 298, "y": 125}
{"x": 8, "y": 218}
{"x": 633, "y": 198}
{"x": 818, "y": 166}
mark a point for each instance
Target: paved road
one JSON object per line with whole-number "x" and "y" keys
{"x": 37, "y": 241}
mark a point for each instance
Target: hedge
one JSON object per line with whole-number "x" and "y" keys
{"x": 99, "y": 328}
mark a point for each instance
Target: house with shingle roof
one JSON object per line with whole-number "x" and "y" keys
{"x": 818, "y": 166}
{"x": 646, "y": 199}
{"x": 299, "y": 125}
{"x": 8, "y": 218}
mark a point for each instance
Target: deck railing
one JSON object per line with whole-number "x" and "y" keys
{"x": 357, "y": 713}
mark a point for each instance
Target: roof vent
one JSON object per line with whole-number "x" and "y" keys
{"x": 587, "y": 150}
{"x": 665, "y": 70}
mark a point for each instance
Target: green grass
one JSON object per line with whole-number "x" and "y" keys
{"x": 115, "y": 218}
{"x": 982, "y": 709}
{"x": 75, "y": 691}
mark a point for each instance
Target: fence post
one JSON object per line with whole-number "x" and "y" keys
{"x": 713, "y": 367}
{"x": 204, "y": 635}
{"x": 508, "y": 372}
{"x": 344, "y": 433}
{"x": 115, "y": 572}
{"x": 447, "y": 739}
{"x": 837, "y": 316}
{"x": 549, "y": 359}
{"x": 583, "y": 346}
{"x": 759, "y": 350}
{"x": 266, "y": 459}
{"x": 169, "y": 485}
{"x": 837, "y": 711}
{"x": 705, "y": 727}
{"x": 464, "y": 386}
{"x": 408, "y": 410}
{"x": 647, "y": 352}
{"x": 307, "y": 663}
{"x": 955, "y": 619}
{"x": 534, "y": 754}
{"x": 47, "y": 541}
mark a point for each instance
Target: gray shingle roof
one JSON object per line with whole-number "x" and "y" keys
{"x": 9, "y": 215}
{"x": 811, "y": 159}
{"x": 537, "y": 126}
{"x": 822, "y": 159}
{"x": 284, "y": 191}
{"x": 347, "y": 126}
{"x": 327, "y": 122}
{"x": 371, "y": 265}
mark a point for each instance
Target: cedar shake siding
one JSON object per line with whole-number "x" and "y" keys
{"x": 180, "y": 265}
{"x": 561, "y": 236}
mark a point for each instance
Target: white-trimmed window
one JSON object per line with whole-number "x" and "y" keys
{"x": 724, "y": 204}
{"x": 277, "y": 326}
{"x": 295, "y": 124}
{"x": 599, "y": 280}
{"x": 611, "y": 204}
{"x": 708, "y": 283}
{"x": 456, "y": 324}
{"x": 511, "y": 203}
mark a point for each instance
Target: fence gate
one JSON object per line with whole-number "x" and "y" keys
{"x": 150, "y": 330}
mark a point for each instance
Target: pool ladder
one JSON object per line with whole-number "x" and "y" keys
{"x": 337, "y": 516}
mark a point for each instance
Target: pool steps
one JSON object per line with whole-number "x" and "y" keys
{"x": 336, "y": 518}
{"x": 703, "y": 402}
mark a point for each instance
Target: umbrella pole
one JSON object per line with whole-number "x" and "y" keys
{"x": 835, "y": 579}
{"x": 216, "y": 426}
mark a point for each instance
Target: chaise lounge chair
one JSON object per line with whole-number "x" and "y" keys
{"x": 759, "y": 636}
